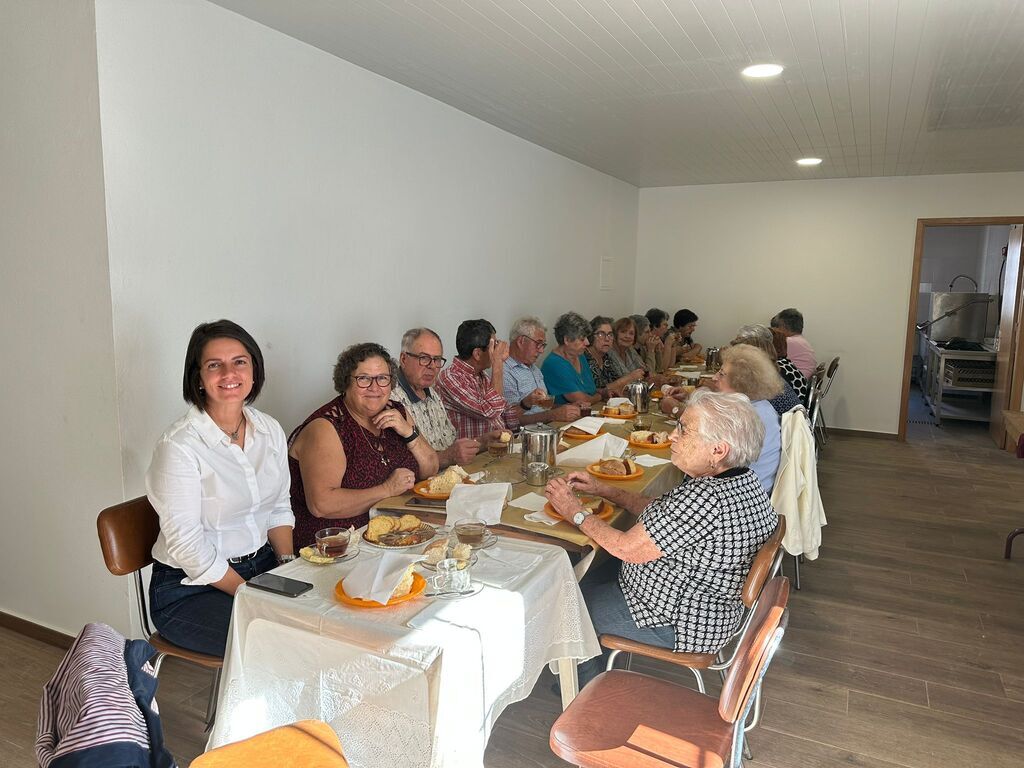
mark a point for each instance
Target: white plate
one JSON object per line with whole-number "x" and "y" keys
{"x": 474, "y": 589}
{"x": 489, "y": 540}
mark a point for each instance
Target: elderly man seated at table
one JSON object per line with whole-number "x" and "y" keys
{"x": 566, "y": 373}
{"x": 798, "y": 349}
{"x": 418, "y": 365}
{"x": 676, "y": 578}
{"x": 473, "y": 400}
{"x": 357, "y": 449}
{"x": 524, "y": 382}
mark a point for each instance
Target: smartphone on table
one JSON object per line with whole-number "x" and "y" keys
{"x": 279, "y": 585}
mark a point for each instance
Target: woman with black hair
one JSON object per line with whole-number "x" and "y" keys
{"x": 684, "y": 323}
{"x": 220, "y": 485}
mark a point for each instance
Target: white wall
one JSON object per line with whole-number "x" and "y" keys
{"x": 255, "y": 177}
{"x": 59, "y": 461}
{"x": 840, "y": 250}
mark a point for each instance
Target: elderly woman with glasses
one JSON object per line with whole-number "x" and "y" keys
{"x": 566, "y": 373}
{"x": 675, "y": 577}
{"x": 357, "y": 449}
{"x": 603, "y": 367}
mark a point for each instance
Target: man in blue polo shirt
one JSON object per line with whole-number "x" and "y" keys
{"x": 523, "y": 382}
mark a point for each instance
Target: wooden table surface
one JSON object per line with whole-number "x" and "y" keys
{"x": 654, "y": 482}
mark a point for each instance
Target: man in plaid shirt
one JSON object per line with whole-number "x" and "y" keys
{"x": 474, "y": 401}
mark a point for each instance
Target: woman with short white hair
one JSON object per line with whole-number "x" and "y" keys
{"x": 678, "y": 572}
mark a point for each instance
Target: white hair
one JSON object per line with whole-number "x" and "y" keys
{"x": 729, "y": 418}
{"x": 410, "y": 336}
{"x": 526, "y": 326}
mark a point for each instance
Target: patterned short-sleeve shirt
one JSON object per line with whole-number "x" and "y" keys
{"x": 709, "y": 530}
{"x": 428, "y": 414}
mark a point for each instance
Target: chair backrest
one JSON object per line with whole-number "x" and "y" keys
{"x": 829, "y": 375}
{"x": 763, "y": 565}
{"x": 755, "y": 650}
{"x": 127, "y": 533}
{"x": 814, "y": 386}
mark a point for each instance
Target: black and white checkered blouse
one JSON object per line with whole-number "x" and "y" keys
{"x": 708, "y": 529}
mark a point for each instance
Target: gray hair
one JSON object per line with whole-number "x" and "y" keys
{"x": 571, "y": 325}
{"x": 597, "y": 322}
{"x": 759, "y": 336}
{"x": 410, "y": 336}
{"x": 526, "y": 326}
{"x": 729, "y": 418}
{"x": 642, "y": 324}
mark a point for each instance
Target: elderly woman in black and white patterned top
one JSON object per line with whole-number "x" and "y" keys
{"x": 675, "y": 577}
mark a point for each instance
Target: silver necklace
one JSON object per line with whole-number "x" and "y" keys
{"x": 234, "y": 435}
{"x": 379, "y": 447}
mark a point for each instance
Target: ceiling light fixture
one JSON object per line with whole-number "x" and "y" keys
{"x": 763, "y": 70}
{"x": 809, "y": 161}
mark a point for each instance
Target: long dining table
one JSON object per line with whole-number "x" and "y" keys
{"x": 420, "y": 683}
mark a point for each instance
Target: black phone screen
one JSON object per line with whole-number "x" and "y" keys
{"x": 280, "y": 585}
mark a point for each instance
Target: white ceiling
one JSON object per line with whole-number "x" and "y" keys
{"x": 649, "y": 91}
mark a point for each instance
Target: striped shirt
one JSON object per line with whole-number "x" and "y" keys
{"x": 98, "y": 708}
{"x": 473, "y": 405}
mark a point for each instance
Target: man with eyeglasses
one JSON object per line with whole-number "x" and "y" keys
{"x": 524, "y": 382}
{"x": 473, "y": 400}
{"x": 418, "y": 365}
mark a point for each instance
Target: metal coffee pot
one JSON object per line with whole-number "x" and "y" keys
{"x": 639, "y": 395}
{"x": 713, "y": 359}
{"x": 540, "y": 443}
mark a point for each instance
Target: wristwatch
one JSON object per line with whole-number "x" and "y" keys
{"x": 282, "y": 559}
{"x": 580, "y": 516}
{"x": 412, "y": 435}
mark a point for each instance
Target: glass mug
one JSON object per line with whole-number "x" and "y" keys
{"x": 452, "y": 576}
{"x": 470, "y": 531}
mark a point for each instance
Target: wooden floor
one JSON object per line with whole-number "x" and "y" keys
{"x": 905, "y": 646}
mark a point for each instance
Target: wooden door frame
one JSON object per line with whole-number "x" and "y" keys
{"x": 915, "y": 283}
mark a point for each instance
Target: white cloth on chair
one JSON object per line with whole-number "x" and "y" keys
{"x": 795, "y": 495}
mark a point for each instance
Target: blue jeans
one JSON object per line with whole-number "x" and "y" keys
{"x": 610, "y": 615}
{"x": 197, "y": 618}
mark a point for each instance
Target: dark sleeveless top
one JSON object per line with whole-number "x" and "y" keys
{"x": 364, "y": 468}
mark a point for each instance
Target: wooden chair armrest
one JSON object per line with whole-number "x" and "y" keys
{"x": 690, "y": 660}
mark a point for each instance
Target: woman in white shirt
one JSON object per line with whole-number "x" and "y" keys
{"x": 219, "y": 482}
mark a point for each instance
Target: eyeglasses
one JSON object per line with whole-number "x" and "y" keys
{"x": 603, "y": 335}
{"x": 427, "y": 360}
{"x": 364, "y": 382}
{"x": 538, "y": 344}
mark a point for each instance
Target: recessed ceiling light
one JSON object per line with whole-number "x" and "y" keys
{"x": 809, "y": 161}
{"x": 763, "y": 70}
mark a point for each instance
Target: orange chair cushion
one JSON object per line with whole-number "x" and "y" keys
{"x": 628, "y": 720}
{"x": 309, "y": 743}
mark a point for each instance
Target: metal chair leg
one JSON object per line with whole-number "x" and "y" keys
{"x": 796, "y": 571}
{"x": 211, "y": 705}
{"x": 1009, "y": 541}
{"x": 158, "y": 661}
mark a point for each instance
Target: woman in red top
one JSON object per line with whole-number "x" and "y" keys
{"x": 357, "y": 449}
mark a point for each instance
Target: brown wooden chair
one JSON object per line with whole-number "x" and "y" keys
{"x": 127, "y": 533}
{"x": 624, "y": 718}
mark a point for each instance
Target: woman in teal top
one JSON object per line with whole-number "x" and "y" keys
{"x": 566, "y": 374}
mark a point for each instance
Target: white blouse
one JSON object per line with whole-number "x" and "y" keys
{"x": 216, "y": 499}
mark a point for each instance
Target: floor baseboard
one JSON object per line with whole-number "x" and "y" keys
{"x": 36, "y": 631}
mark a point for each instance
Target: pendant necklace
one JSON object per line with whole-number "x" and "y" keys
{"x": 234, "y": 435}
{"x": 379, "y": 447}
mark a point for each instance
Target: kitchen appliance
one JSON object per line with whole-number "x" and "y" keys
{"x": 967, "y": 316}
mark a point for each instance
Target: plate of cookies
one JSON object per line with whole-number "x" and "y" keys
{"x": 390, "y": 532}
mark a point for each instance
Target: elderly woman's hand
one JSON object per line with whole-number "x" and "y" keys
{"x": 562, "y": 497}
{"x": 400, "y": 481}
{"x": 586, "y": 483}
{"x": 390, "y": 418}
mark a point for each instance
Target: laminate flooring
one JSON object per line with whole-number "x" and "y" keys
{"x": 905, "y": 646}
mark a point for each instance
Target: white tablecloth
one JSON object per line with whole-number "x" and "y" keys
{"x": 417, "y": 684}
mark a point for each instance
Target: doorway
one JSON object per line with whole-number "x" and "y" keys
{"x": 963, "y": 283}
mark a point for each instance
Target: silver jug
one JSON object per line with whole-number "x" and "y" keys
{"x": 639, "y": 395}
{"x": 713, "y": 359}
{"x": 540, "y": 443}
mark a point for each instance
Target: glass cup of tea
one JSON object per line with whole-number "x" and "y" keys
{"x": 641, "y": 421}
{"x": 497, "y": 447}
{"x": 471, "y": 531}
{"x": 333, "y": 542}
{"x": 452, "y": 576}
{"x": 546, "y": 402}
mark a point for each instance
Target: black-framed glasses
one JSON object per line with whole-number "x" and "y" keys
{"x": 429, "y": 360}
{"x": 363, "y": 381}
